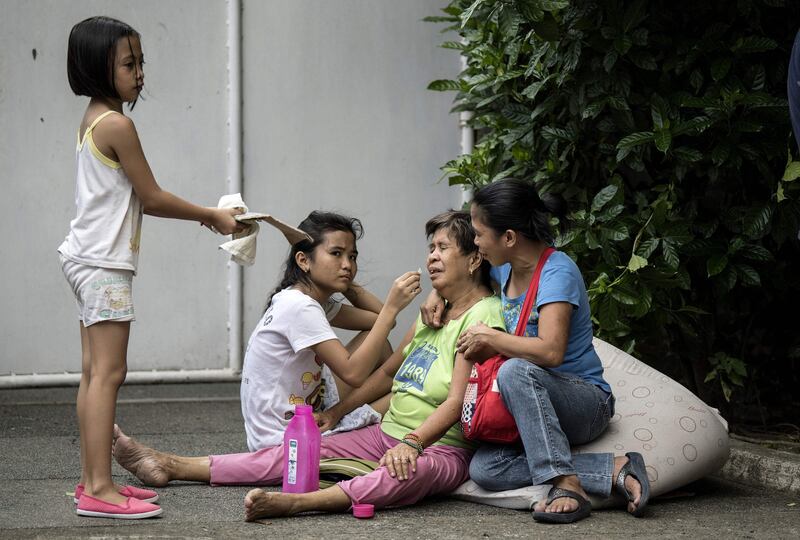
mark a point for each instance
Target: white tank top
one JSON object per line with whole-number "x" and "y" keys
{"x": 107, "y": 228}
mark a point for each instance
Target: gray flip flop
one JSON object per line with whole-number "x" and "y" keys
{"x": 583, "y": 510}
{"x": 634, "y": 467}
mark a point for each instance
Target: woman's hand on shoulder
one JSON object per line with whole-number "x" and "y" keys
{"x": 476, "y": 344}
{"x": 400, "y": 461}
{"x": 403, "y": 291}
{"x": 432, "y": 310}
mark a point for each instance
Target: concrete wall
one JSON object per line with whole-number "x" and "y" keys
{"x": 336, "y": 116}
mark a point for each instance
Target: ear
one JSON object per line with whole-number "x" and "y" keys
{"x": 302, "y": 261}
{"x": 509, "y": 238}
{"x": 475, "y": 261}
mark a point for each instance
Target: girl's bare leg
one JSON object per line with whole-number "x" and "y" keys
{"x": 108, "y": 345}
{"x": 156, "y": 468}
{"x": 262, "y": 504}
{"x": 86, "y": 374}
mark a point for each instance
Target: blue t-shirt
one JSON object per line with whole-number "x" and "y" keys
{"x": 560, "y": 281}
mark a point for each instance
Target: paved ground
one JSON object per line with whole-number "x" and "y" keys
{"x": 39, "y": 452}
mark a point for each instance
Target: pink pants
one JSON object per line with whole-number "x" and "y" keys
{"x": 441, "y": 469}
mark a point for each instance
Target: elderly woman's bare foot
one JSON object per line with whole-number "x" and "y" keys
{"x": 263, "y": 504}
{"x": 144, "y": 463}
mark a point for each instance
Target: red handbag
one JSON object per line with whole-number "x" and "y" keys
{"x": 484, "y": 416}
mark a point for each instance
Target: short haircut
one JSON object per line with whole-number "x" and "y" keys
{"x": 458, "y": 225}
{"x": 91, "y": 52}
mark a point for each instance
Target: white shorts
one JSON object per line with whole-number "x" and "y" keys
{"x": 103, "y": 294}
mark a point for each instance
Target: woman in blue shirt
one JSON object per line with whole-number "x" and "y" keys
{"x": 553, "y": 381}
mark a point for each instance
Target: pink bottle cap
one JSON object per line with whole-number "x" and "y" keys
{"x": 363, "y": 511}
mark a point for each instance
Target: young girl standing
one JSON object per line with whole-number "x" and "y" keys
{"x": 114, "y": 188}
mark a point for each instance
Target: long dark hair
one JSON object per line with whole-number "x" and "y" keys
{"x": 514, "y": 204}
{"x": 316, "y": 225}
{"x": 91, "y": 51}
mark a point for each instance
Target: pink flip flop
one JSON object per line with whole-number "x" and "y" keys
{"x": 144, "y": 495}
{"x": 132, "y": 509}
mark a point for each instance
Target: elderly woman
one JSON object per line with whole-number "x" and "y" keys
{"x": 419, "y": 444}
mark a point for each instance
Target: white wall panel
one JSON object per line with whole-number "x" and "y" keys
{"x": 338, "y": 117}
{"x": 180, "y": 292}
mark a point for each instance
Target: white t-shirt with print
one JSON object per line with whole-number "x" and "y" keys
{"x": 280, "y": 369}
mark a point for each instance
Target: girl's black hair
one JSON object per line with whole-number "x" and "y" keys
{"x": 514, "y": 204}
{"x": 458, "y": 227}
{"x": 91, "y": 51}
{"x": 316, "y": 225}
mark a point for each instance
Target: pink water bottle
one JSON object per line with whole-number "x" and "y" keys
{"x": 301, "y": 443}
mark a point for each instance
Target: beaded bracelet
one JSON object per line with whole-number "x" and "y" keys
{"x": 414, "y": 437}
{"x": 415, "y": 445}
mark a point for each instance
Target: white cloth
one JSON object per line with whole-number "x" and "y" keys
{"x": 107, "y": 227}
{"x": 280, "y": 368}
{"x": 242, "y": 247}
{"x": 357, "y": 418}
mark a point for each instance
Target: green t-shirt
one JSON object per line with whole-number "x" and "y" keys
{"x": 423, "y": 381}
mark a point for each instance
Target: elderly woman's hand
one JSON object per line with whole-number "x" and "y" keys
{"x": 475, "y": 342}
{"x": 400, "y": 461}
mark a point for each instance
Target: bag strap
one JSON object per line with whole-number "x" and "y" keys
{"x": 530, "y": 296}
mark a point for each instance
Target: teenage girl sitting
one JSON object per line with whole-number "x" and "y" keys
{"x": 294, "y": 338}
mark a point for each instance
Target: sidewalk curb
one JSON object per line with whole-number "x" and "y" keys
{"x": 759, "y": 466}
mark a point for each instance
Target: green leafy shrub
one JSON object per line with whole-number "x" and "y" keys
{"x": 665, "y": 126}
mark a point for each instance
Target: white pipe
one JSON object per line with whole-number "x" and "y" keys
{"x": 235, "y": 274}
{"x": 133, "y": 377}
{"x": 467, "y": 138}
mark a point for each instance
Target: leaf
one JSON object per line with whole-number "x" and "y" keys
{"x": 466, "y": 15}
{"x": 643, "y": 60}
{"x": 663, "y": 139}
{"x": 748, "y": 275}
{"x": 635, "y": 139}
{"x": 754, "y": 252}
{"x": 756, "y": 221}
{"x": 615, "y": 231}
{"x": 509, "y": 21}
{"x": 439, "y": 19}
{"x": 444, "y": 85}
{"x": 720, "y": 68}
{"x": 670, "y": 254}
{"x": 754, "y": 44}
{"x": 696, "y": 80}
{"x": 457, "y": 45}
{"x": 698, "y": 124}
{"x": 690, "y": 155}
{"x": 610, "y": 59}
{"x": 658, "y": 111}
{"x": 792, "y": 172}
{"x": 603, "y": 196}
{"x": 636, "y": 263}
{"x": 623, "y": 296}
{"x": 553, "y": 5}
{"x": 647, "y": 247}
{"x": 716, "y": 264}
